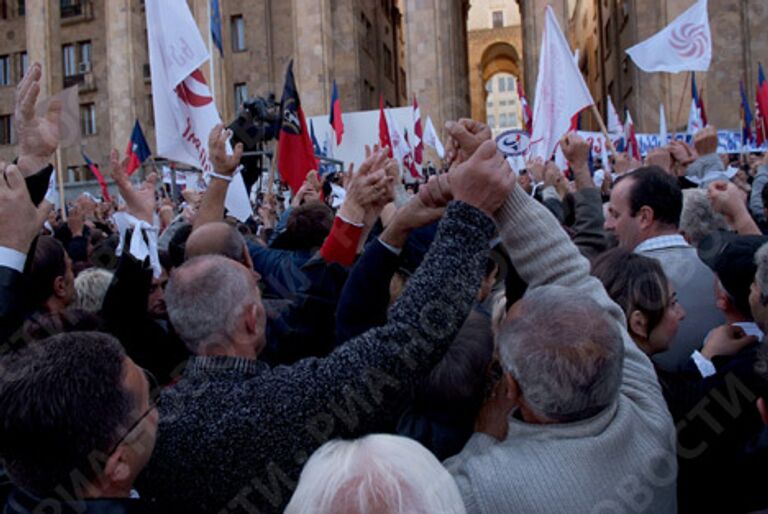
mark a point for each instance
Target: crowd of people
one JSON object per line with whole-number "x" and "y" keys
{"x": 493, "y": 340}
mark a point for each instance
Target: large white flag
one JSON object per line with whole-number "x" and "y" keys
{"x": 560, "y": 91}
{"x": 432, "y": 139}
{"x": 683, "y": 45}
{"x": 185, "y": 112}
{"x": 615, "y": 127}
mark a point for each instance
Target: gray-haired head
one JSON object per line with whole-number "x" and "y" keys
{"x": 564, "y": 352}
{"x": 698, "y": 219}
{"x": 91, "y": 286}
{"x": 206, "y": 298}
{"x": 381, "y": 474}
{"x": 761, "y": 276}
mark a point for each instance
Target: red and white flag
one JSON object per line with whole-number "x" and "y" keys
{"x": 633, "y": 148}
{"x": 683, "y": 45}
{"x": 418, "y": 151}
{"x": 527, "y": 115}
{"x": 185, "y": 112}
{"x": 615, "y": 127}
{"x": 432, "y": 139}
{"x": 560, "y": 91}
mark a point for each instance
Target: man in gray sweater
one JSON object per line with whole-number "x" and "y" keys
{"x": 578, "y": 422}
{"x": 234, "y": 434}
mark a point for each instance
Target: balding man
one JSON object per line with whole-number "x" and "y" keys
{"x": 234, "y": 434}
{"x": 218, "y": 238}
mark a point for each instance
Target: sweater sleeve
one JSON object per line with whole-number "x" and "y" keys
{"x": 589, "y": 235}
{"x": 341, "y": 244}
{"x": 543, "y": 255}
{"x": 362, "y": 384}
{"x": 755, "y": 198}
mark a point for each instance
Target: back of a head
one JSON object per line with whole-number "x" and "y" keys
{"x": 657, "y": 189}
{"x": 48, "y": 263}
{"x": 634, "y": 282}
{"x": 206, "y": 298}
{"x": 308, "y": 225}
{"x": 216, "y": 238}
{"x": 91, "y": 286}
{"x": 377, "y": 474}
{"x": 697, "y": 219}
{"x": 565, "y": 352}
{"x": 62, "y": 406}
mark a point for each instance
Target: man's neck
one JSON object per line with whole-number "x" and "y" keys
{"x": 54, "y": 305}
{"x": 230, "y": 349}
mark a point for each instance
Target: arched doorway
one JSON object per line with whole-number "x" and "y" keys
{"x": 495, "y": 68}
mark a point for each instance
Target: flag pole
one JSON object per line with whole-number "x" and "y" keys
{"x": 60, "y": 177}
{"x": 604, "y": 129}
{"x": 210, "y": 49}
{"x": 682, "y": 99}
{"x": 271, "y": 177}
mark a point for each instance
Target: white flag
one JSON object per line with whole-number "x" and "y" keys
{"x": 185, "y": 112}
{"x": 615, "y": 127}
{"x": 431, "y": 138}
{"x": 662, "y": 125}
{"x": 400, "y": 148}
{"x": 683, "y": 45}
{"x": 560, "y": 91}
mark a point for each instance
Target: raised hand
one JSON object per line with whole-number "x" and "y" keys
{"x": 217, "y": 149}
{"x": 484, "y": 180}
{"x": 464, "y": 138}
{"x": 706, "y": 141}
{"x": 660, "y": 157}
{"x": 576, "y": 149}
{"x": 726, "y": 340}
{"x": 38, "y": 137}
{"x": 140, "y": 202}
{"x": 20, "y": 221}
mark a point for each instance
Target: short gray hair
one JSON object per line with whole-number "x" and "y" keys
{"x": 91, "y": 286}
{"x": 206, "y": 298}
{"x": 565, "y": 352}
{"x": 698, "y": 219}
{"x": 377, "y": 473}
{"x": 761, "y": 276}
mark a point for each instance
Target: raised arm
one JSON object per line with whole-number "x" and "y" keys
{"x": 224, "y": 166}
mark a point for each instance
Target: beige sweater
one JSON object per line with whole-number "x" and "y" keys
{"x": 622, "y": 460}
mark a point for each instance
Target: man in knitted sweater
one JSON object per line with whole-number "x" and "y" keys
{"x": 579, "y": 423}
{"x": 234, "y": 434}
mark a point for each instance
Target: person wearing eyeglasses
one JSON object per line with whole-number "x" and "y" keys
{"x": 77, "y": 425}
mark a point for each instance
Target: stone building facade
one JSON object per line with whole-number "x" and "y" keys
{"x": 394, "y": 48}
{"x": 603, "y": 29}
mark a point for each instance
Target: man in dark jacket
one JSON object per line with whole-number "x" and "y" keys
{"x": 234, "y": 434}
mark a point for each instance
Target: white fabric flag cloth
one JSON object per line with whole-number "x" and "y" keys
{"x": 185, "y": 111}
{"x": 560, "y": 91}
{"x": 615, "y": 127}
{"x": 683, "y": 45}
{"x": 431, "y": 138}
{"x": 400, "y": 148}
{"x": 662, "y": 125}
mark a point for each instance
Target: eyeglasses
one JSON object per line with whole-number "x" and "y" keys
{"x": 154, "y": 402}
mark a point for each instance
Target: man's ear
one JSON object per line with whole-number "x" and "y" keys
{"x": 638, "y": 324}
{"x": 646, "y": 216}
{"x": 762, "y": 407}
{"x": 247, "y": 261}
{"x": 512, "y": 390}
{"x": 60, "y": 286}
{"x": 117, "y": 470}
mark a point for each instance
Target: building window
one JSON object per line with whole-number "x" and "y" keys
{"x": 367, "y": 32}
{"x": 88, "y": 119}
{"x": 6, "y": 129}
{"x": 23, "y": 64}
{"x": 5, "y": 70}
{"x": 241, "y": 95}
{"x": 71, "y": 8}
{"x": 491, "y": 120}
{"x": 70, "y": 61}
{"x": 387, "y": 62}
{"x": 510, "y": 83}
{"x": 22, "y": 9}
{"x": 498, "y": 19}
{"x": 489, "y": 86}
{"x": 85, "y": 56}
{"x": 502, "y": 84}
{"x": 238, "y": 33}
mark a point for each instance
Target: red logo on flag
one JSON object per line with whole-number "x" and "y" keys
{"x": 690, "y": 40}
{"x": 186, "y": 92}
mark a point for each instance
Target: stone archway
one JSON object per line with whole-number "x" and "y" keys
{"x": 491, "y": 52}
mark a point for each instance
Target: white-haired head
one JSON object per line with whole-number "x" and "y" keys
{"x": 91, "y": 286}
{"x": 382, "y": 474}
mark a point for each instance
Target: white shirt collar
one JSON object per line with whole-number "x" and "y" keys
{"x": 661, "y": 242}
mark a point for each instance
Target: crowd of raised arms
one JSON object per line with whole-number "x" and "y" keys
{"x": 493, "y": 340}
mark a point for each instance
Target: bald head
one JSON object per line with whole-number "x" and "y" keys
{"x": 217, "y": 238}
{"x": 215, "y": 301}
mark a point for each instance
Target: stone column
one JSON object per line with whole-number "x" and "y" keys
{"x": 121, "y": 73}
{"x": 533, "y": 14}
{"x": 44, "y": 42}
{"x": 313, "y": 58}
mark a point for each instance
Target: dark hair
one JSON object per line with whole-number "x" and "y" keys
{"x": 48, "y": 263}
{"x": 62, "y": 404}
{"x": 308, "y": 226}
{"x": 634, "y": 282}
{"x": 41, "y": 326}
{"x": 177, "y": 244}
{"x": 657, "y": 189}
